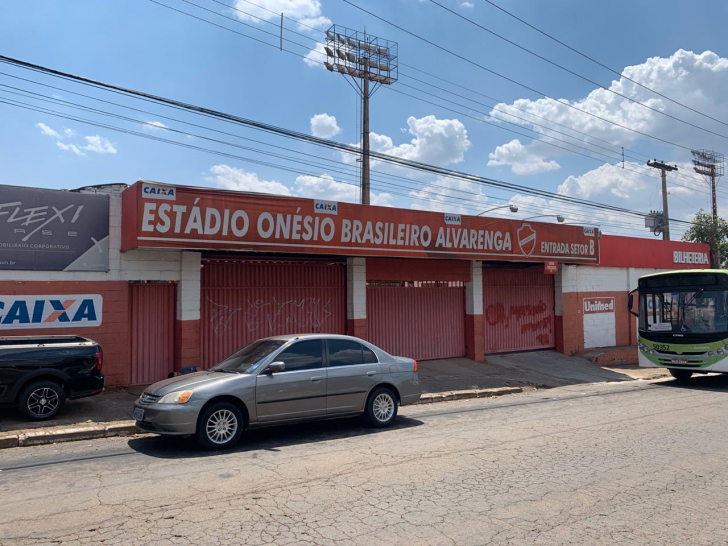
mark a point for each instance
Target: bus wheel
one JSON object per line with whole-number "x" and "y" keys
{"x": 681, "y": 375}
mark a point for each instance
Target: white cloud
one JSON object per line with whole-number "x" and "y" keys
{"x": 694, "y": 79}
{"x": 308, "y": 12}
{"x": 435, "y": 141}
{"x": 47, "y": 131}
{"x": 154, "y": 125}
{"x": 450, "y": 195}
{"x": 315, "y": 187}
{"x": 521, "y": 159}
{"x": 325, "y": 187}
{"x": 324, "y": 126}
{"x": 99, "y": 145}
{"x": 232, "y": 178}
{"x": 467, "y": 5}
{"x": 96, "y": 143}
{"x": 69, "y": 147}
{"x": 316, "y": 56}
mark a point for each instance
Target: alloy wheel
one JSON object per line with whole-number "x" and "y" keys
{"x": 383, "y": 407}
{"x": 221, "y": 426}
{"x": 43, "y": 401}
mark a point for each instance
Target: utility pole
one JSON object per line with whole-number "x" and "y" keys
{"x": 664, "y": 167}
{"x": 365, "y": 59}
{"x": 365, "y": 143}
{"x": 710, "y": 164}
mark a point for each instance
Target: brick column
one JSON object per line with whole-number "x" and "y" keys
{"x": 187, "y": 331}
{"x": 356, "y": 297}
{"x": 474, "y": 333}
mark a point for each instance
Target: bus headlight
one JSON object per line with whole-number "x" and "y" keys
{"x": 710, "y": 353}
{"x": 720, "y": 351}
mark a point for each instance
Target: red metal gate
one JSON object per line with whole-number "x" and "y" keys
{"x": 518, "y": 309}
{"x": 417, "y": 322}
{"x": 152, "y": 332}
{"x": 247, "y": 300}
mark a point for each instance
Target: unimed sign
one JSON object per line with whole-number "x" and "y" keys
{"x": 160, "y": 216}
{"x": 598, "y": 305}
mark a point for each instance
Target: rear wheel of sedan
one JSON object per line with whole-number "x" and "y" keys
{"x": 381, "y": 408}
{"x": 42, "y": 400}
{"x": 220, "y": 426}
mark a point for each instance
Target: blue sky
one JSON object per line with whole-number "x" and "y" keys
{"x": 142, "y": 45}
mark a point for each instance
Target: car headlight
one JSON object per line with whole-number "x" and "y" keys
{"x": 178, "y": 397}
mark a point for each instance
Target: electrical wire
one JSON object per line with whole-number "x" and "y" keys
{"x": 616, "y": 72}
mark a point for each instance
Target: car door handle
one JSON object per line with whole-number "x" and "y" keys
{"x": 317, "y": 378}
{"x": 371, "y": 373}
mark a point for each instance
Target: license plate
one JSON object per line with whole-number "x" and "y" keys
{"x": 678, "y": 361}
{"x": 138, "y": 414}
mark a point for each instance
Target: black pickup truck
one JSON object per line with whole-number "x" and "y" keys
{"x": 40, "y": 373}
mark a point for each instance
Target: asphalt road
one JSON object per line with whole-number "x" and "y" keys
{"x": 630, "y": 463}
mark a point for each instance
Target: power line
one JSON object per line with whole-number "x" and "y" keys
{"x": 545, "y": 59}
{"x": 482, "y": 67}
{"x": 414, "y": 192}
{"x": 617, "y": 72}
{"x": 311, "y": 60}
{"x": 324, "y": 142}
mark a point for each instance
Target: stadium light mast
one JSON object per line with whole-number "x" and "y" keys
{"x": 366, "y": 59}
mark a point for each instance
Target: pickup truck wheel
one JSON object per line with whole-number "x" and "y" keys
{"x": 41, "y": 400}
{"x": 381, "y": 408}
{"x": 220, "y": 426}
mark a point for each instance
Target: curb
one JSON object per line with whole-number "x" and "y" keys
{"x": 95, "y": 431}
{"x": 38, "y": 437}
{"x": 430, "y": 398}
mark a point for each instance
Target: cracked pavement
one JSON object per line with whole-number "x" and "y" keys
{"x": 627, "y": 463}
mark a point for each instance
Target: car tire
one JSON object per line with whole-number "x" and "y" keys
{"x": 381, "y": 408}
{"x": 42, "y": 400}
{"x": 220, "y": 426}
{"x": 681, "y": 376}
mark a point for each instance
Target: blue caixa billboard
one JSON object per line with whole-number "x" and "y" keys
{"x": 51, "y": 230}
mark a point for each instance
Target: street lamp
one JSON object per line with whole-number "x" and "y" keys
{"x": 513, "y": 208}
{"x": 364, "y": 57}
{"x": 560, "y": 219}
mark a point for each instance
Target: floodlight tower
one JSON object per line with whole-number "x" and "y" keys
{"x": 364, "y": 58}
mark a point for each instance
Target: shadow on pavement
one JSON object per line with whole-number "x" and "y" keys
{"x": 700, "y": 382}
{"x": 266, "y": 439}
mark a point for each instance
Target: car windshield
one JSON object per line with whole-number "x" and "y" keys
{"x": 681, "y": 311}
{"x": 247, "y": 358}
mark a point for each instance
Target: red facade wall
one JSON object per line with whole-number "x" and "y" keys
{"x": 112, "y": 335}
{"x": 571, "y": 324}
{"x": 393, "y": 269}
{"x": 646, "y": 253}
{"x": 187, "y": 348}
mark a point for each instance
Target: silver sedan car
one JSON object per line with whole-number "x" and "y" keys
{"x": 280, "y": 380}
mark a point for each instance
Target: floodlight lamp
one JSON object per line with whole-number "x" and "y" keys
{"x": 351, "y": 42}
{"x": 342, "y": 40}
{"x": 341, "y": 54}
{"x": 560, "y": 219}
{"x": 330, "y": 35}
{"x": 382, "y": 50}
{"x": 329, "y": 66}
{"x": 351, "y": 57}
{"x": 384, "y": 67}
{"x": 329, "y": 51}
{"x": 513, "y": 208}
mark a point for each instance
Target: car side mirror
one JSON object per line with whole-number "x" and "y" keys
{"x": 276, "y": 367}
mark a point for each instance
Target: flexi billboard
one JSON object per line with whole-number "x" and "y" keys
{"x": 161, "y": 216}
{"x": 53, "y": 230}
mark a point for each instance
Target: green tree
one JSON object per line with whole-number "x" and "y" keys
{"x": 704, "y": 231}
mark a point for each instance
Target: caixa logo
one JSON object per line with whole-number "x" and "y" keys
{"x": 64, "y": 311}
{"x": 159, "y": 192}
{"x": 453, "y": 219}
{"x": 326, "y": 207}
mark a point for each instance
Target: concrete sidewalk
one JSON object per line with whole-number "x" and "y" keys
{"x": 109, "y": 414}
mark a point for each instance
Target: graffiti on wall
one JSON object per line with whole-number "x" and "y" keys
{"x": 526, "y": 316}
{"x": 273, "y": 316}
